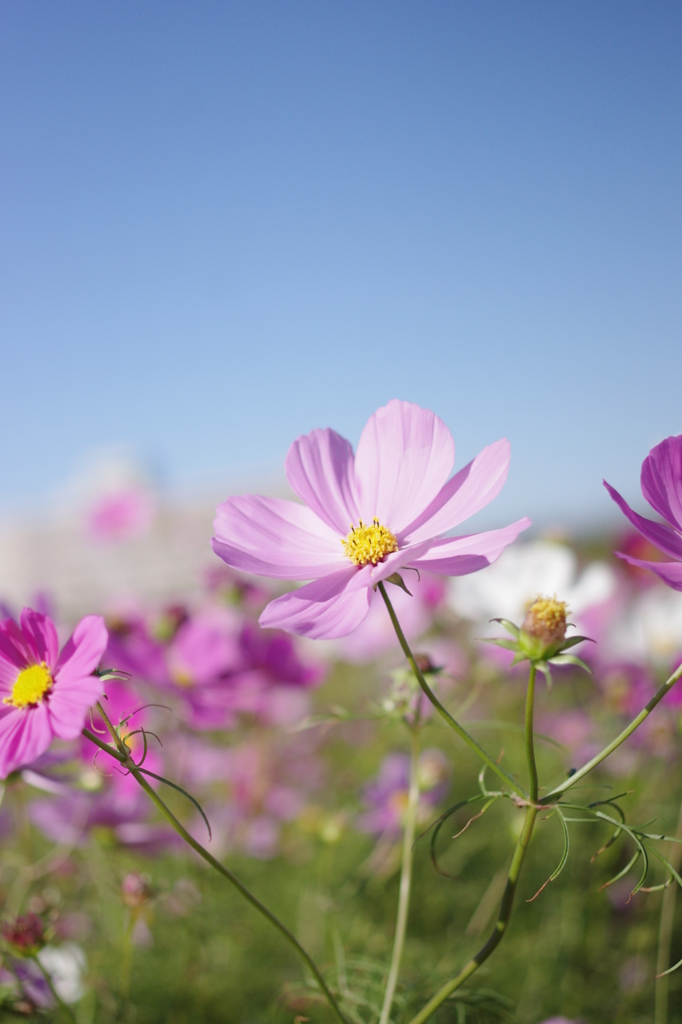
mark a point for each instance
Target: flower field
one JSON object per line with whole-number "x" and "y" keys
{"x": 373, "y": 800}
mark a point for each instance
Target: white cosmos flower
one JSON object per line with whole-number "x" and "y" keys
{"x": 66, "y": 965}
{"x": 651, "y": 628}
{"x": 506, "y": 588}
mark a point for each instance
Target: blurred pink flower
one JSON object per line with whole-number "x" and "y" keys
{"x": 385, "y": 796}
{"x": 365, "y": 517}
{"x": 121, "y": 515}
{"x": 45, "y": 694}
{"x": 661, "y": 482}
{"x": 218, "y": 665}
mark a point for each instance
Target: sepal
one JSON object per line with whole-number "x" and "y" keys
{"x": 396, "y": 579}
{"x": 570, "y": 659}
{"x": 509, "y": 645}
{"x": 571, "y": 641}
{"x": 509, "y": 626}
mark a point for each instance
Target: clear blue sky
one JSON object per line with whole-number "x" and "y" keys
{"x": 224, "y": 224}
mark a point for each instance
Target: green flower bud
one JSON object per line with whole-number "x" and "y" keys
{"x": 544, "y": 628}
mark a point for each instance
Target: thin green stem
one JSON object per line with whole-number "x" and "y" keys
{"x": 507, "y": 903}
{"x": 442, "y": 711}
{"x": 60, "y": 1002}
{"x": 405, "y": 878}
{"x": 126, "y": 961}
{"x": 530, "y": 746}
{"x": 500, "y": 926}
{"x": 620, "y": 738}
{"x": 665, "y": 934}
{"x": 122, "y": 754}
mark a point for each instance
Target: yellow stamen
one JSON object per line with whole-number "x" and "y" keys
{"x": 365, "y": 544}
{"x": 546, "y": 618}
{"x": 30, "y": 686}
{"x": 181, "y": 676}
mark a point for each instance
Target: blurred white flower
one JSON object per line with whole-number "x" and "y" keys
{"x": 66, "y": 965}
{"x": 651, "y": 628}
{"x": 524, "y": 571}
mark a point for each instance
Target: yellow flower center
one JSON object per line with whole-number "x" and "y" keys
{"x": 546, "y": 619}
{"x": 549, "y": 612}
{"x": 31, "y": 686}
{"x": 181, "y": 676}
{"x": 365, "y": 544}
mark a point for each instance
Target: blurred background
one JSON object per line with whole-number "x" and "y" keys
{"x": 226, "y": 224}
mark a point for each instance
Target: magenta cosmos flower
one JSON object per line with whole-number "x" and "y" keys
{"x": 365, "y": 517}
{"x": 45, "y": 694}
{"x": 661, "y": 482}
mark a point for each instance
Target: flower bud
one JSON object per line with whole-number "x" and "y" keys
{"x": 135, "y": 890}
{"x": 544, "y": 627}
{"x": 25, "y": 934}
{"x": 424, "y": 664}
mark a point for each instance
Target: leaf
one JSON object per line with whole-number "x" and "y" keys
{"x": 499, "y": 641}
{"x": 493, "y": 723}
{"x": 670, "y": 969}
{"x": 160, "y": 778}
{"x": 664, "y": 860}
{"x": 479, "y": 815}
{"x": 570, "y": 659}
{"x": 564, "y": 857}
{"x": 441, "y": 821}
{"x": 640, "y": 846}
{"x": 630, "y": 864}
{"x": 336, "y": 715}
{"x": 509, "y": 626}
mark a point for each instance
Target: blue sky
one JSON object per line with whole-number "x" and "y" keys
{"x": 224, "y": 224}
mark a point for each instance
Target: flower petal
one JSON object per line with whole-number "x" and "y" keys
{"x": 82, "y": 652}
{"x": 669, "y": 572}
{"x": 69, "y": 702}
{"x": 466, "y": 493}
{"x": 276, "y": 538}
{"x": 8, "y": 674}
{"x": 458, "y": 556}
{"x": 325, "y": 609}
{"x": 659, "y": 534}
{"x": 395, "y": 561}
{"x": 41, "y": 636}
{"x": 15, "y": 652}
{"x": 25, "y": 734}
{"x": 662, "y": 479}
{"x": 404, "y": 458}
{"x": 320, "y": 468}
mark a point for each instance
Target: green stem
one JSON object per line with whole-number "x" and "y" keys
{"x": 507, "y": 903}
{"x": 500, "y": 926}
{"x": 122, "y": 754}
{"x": 405, "y": 878}
{"x": 127, "y": 960}
{"x": 598, "y": 758}
{"x": 443, "y": 712}
{"x": 665, "y": 934}
{"x": 530, "y": 748}
{"x": 60, "y": 1002}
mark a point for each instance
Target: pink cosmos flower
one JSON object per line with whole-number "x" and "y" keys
{"x": 121, "y": 515}
{"x": 661, "y": 482}
{"x": 366, "y": 516}
{"x": 45, "y": 694}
